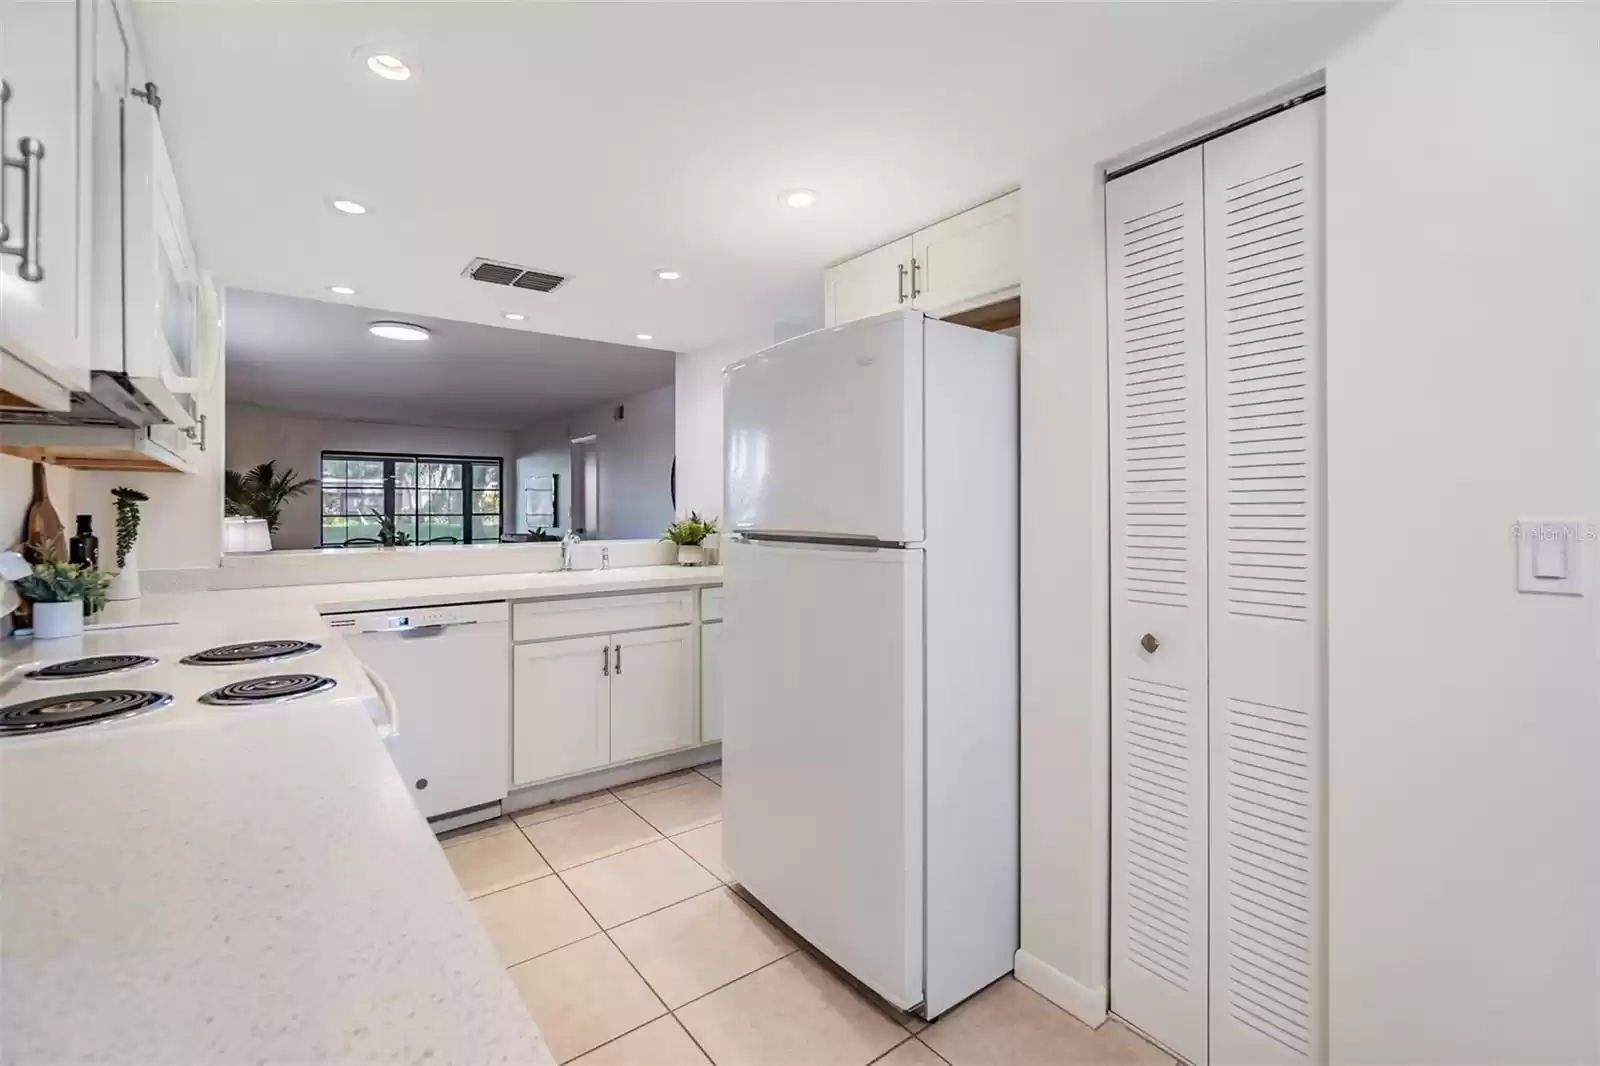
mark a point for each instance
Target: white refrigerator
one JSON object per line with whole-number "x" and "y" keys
{"x": 870, "y": 637}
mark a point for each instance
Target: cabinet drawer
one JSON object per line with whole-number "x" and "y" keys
{"x": 711, "y": 605}
{"x": 582, "y": 615}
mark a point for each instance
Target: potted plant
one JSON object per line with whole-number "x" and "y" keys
{"x": 260, "y": 493}
{"x": 690, "y": 534}
{"x": 388, "y": 535}
{"x": 125, "y": 586}
{"x": 60, "y": 592}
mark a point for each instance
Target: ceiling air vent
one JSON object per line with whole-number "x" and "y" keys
{"x": 515, "y": 276}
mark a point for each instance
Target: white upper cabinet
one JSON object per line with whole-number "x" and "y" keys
{"x": 969, "y": 260}
{"x": 966, "y": 261}
{"x": 869, "y": 284}
{"x": 47, "y": 62}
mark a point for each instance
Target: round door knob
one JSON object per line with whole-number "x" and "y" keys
{"x": 1149, "y": 643}
{"x": 422, "y": 783}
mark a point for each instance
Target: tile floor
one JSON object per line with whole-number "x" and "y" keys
{"x": 614, "y": 917}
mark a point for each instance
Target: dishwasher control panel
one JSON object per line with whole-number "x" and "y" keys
{"x": 406, "y": 619}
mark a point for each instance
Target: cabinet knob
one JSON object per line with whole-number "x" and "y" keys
{"x": 1149, "y": 643}
{"x": 422, "y": 783}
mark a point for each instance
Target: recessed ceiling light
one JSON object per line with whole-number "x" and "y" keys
{"x": 386, "y": 66}
{"x": 799, "y": 197}
{"x": 644, "y": 336}
{"x": 349, "y": 207}
{"x": 668, "y": 275}
{"x": 398, "y": 331}
{"x": 514, "y": 317}
{"x": 342, "y": 290}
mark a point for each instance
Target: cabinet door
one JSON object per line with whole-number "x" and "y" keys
{"x": 652, "y": 692}
{"x": 561, "y": 693}
{"x": 969, "y": 260}
{"x": 869, "y": 284}
{"x": 47, "y": 55}
{"x": 710, "y": 682}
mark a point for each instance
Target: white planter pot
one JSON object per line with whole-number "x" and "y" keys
{"x": 52, "y": 621}
{"x": 691, "y": 554}
{"x": 125, "y": 586}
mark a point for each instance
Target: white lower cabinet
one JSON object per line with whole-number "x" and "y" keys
{"x": 652, "y": 692}
{"x": 710, "y": 682}
{"x": 587, "y": 702}
{"x": 561, "y": 708}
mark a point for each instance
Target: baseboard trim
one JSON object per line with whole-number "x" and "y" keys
{"x": 1086, "y": 1004}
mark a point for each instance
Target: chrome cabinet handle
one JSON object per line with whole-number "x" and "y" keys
{"x": 5, "y": 227}
{"x": 605, "y": 661}
{"x": 28, "y": 248}
{"x": 915, "y": 292}
{"x": 619, "y": 658}
{"x": 900, "y": 283}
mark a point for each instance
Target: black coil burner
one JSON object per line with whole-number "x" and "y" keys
{"x": 256, "y": 651}
{"x": 273, "y": 689}
{"x": 76, "y": 708}
{"x": 93, "y": 666}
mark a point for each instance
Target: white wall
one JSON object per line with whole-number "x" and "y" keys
{"x": 257, "y": 434}
{"x": 635, "y": 462}
{"x": 1463, "y": 394}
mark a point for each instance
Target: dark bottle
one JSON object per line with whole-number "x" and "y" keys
{"x": 85, "y": 547}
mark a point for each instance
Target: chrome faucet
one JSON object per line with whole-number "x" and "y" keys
{"x": 568, "y": 542}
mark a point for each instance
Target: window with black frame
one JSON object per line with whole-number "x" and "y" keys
{"x": 429, "y": 499}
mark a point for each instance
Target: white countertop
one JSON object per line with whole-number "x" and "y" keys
{"x": 250, "y": 887}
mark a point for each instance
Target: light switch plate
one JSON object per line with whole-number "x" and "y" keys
{"x": 1551, "y": 554}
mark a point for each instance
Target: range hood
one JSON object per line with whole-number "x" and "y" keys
{"x": 89, "y": 447}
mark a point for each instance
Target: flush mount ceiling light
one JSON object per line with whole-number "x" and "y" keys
{"x": 513, "y": 316}
{"x": 398, "y": 331}
{"x": 342, "y": 290}
{"x": 644, "y": 336}
{"x": 668, "y": 275}
{"x": 349, "y": 207}
{"x": 799, "y": 198}
{"x": 387, "y": 66}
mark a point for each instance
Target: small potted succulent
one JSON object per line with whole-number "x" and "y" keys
{"x": 61, "y": 594}
{"x": 125, "y": 586}
{"x": 690, "y": 534}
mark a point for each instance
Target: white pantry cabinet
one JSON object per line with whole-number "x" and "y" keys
{"x": 47, "y": 64}
{"x": 965, "y": 261}
{"x": 561, "y": 708}
{"x": 652, "y": 692}
{"x": 710, "y": 682}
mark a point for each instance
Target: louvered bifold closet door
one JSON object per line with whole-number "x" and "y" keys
{"x": 1263, "y": 209}
{"x": 1156, "y": 325}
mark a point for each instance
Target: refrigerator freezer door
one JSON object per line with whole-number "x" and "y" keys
{"x": 822, "y": 770}
{"x": 824, "y": 433}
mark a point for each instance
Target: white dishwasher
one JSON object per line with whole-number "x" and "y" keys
{"x": 448, "y": 670}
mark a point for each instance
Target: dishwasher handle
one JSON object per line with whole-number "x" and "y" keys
{"x": 391, "y": 706}
{"x": 421, "y": 632}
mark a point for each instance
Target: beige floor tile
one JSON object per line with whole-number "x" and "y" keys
{"x": 704, "y": 846}
{"x": 532, "y": 919}
{"x": 792, "y": 1013}
{"x": 661, "y": 1043}
{"x": 912, "y": 1053}
{"x": 477, "y": 832}
{"x": 535, "y": 815}
{"x": 912, "y": 1023}
{"x": 490, "y": 863}
{"x": 635, "y": 882}
{"x": 584, "y": 994}
{"x": 593, "y": 834}
{"x": 681, "y": 807}
{"x": 653, "y": 784}
{"x": 1009, "y": 1024}
{"x": 713, "y": 770}
{"x": 693, "y": 947}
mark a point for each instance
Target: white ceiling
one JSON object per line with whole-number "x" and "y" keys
{"x": 317, "y": 358}
{"x": 607, "y": 140}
